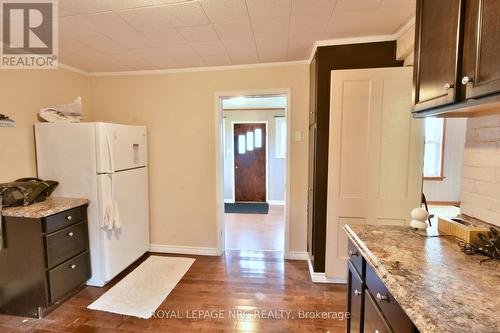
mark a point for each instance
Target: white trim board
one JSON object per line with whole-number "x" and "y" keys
{"x": 276, "y": 202}
{"x": 321, "y": 277}
{"x": 192, "y": 250}
{"x": 297, "y": 255}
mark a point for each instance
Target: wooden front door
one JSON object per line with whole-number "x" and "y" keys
{"x": 250, "y": 162}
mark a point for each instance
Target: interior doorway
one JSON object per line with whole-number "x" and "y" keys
{"x": 253, "y": 175}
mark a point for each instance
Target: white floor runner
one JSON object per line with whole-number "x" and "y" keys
{"x": 141, "y": 292}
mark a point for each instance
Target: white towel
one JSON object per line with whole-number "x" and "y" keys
{"x": 112, "y": 216}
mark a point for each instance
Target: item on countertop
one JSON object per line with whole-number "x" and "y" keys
{"x": 26, "y": 191}
{"x": 488, "y": 245}
{"x": 418, "y": 218}
{"x": 460, "y": 228}
{"x": 5, "y": 121}
{"x": 71, "y": 112}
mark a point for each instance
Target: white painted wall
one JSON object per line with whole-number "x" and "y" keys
{"x": 276, "y": 172}
{"x": 448, "y": 189}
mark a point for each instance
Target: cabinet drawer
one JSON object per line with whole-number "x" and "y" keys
{"x": 391, "y": 310}
{"x": 61, "y": 220}
{"x": 356, "y": 258}
{"x": 355, "y": 301}
{"x": 68, "y": 276}
{"x": 66, "y": 243}
{"x": 374, "y": 320}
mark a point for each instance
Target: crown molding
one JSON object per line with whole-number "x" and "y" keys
{"x": 73, "y": 69}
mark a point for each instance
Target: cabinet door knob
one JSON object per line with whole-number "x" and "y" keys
{"x": 71, "y": 234}
{"x": 72, "y": 266}
{"x": 466, "y": 80}
{"x": 381, "y": 298}
{"x": 357, "y": 292}
{"x": 69, "y": 217}
{"x": 448, "y": 86}
{"x": 352, "y": 253}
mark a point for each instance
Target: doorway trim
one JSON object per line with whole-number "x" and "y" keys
{"x": 267, "y": 154}
{"x": 219, "y": 160}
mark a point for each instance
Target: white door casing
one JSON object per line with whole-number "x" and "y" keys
{"x": 375, "y": 155}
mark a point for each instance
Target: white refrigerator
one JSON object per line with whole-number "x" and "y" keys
{"x": 106, "y": 163}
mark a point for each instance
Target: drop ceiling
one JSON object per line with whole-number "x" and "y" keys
{"x": 127, "y": 35}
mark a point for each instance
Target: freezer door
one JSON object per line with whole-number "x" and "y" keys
{"x": 121, "y": 147}
{"x": 122, "y": 246}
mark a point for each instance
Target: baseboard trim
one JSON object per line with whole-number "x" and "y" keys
{"x": 193, "y": 250}
{"x": 321, "y": 277}
{"x": 276, "y": 202}
{"x": 297, "y": 255}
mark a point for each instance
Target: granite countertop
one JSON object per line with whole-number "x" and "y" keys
{"x": 51, "y": 206}
{"x": 440, "y": 288}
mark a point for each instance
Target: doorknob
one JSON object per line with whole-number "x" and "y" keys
{"x": 236, "y": 167}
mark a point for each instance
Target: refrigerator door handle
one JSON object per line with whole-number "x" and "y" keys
{"x": 110, "y": 153}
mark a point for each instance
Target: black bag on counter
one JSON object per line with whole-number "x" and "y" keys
{"x": 26, "y": 191}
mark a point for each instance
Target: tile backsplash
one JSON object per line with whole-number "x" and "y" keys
{"x": 481, "y": 173}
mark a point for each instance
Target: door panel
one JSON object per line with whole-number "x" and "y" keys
{"x": 375, "y": 155}
{"x": 122, "y": 246}
{"x": 250, "y": 162}
{"x": 121, "y": 147}
{"x": 482, "y": 48}
{"x": 437, "y": 54}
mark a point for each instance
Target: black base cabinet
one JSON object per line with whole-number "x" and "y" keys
{"x": 43, "y": 260}
{"x": 371, "y": 306}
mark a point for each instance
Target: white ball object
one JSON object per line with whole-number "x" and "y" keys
{"x": 419, "y": 214}
{"x": 419, "y": 217}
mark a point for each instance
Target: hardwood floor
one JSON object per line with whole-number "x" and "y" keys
{"x": 264, "y": 232}
{"x": 253, "y": 282}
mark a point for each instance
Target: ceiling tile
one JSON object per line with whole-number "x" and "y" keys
{"x": 164, "y": 63}
{"x": 77, "y": 26}
{"x": 239, "y": 46}
{"x": 108, "y": 23}
{"x": 304, "y": 7}
{"x": 209, "y": 49}
{"x": 101, "y": 43}
{"x": 132, "y": 40}
{"x": 149, "y": 53}
{"x": 186, "y": 14}
{"x": 199, "y": 34}
{"x": 74, "y": 45}
{"x": 127, "y": 4}
{"x": 303, "y": 41}
{"x": 299, "y": 54}
{"x": 234, "y": 30}
{"x": 217, "y": 60}
{"x": 343, "y": 5}
{"x": 219, "y": 11}
{"x": 271, "y": 27}
{"x": 348, "y": 24}
{"x": 148, "y": 18}
{"x": 268, "y": 8}
{"x": 388, "y": 20}
{"x": 272, "y": 49}
{"x": 165, "y": 37}
{"x": 179, "y": 51}
{"x": 79, "y": 7}
{"x": 186, "y": 62}
{"x": 309, "y": 23}
{"x": 244, "y": 58}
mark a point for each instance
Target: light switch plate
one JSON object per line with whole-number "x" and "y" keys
{"x": 298, "y": 136}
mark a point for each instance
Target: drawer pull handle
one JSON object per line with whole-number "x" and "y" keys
{"x": 352, "y": 253}
{"x": 357, "y": 292}
{"x": 71, "y": 234}
{"x": 466, "y": 80}
{"x": 448, "y": 86}
{"x": 72, "y": 266}
{"x": 69, "y": 217}
{"x": 381, "y": 298}
{"x": 376, "y": 331}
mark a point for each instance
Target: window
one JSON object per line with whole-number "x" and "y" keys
{"x": 280, "y": 148}
{"x": 250, "y": 141}
{"x": 241, "y": 144}
{"x": 434, "y": 148}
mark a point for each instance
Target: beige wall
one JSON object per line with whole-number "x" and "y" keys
{"x": 22, "y": 94}
{"x": 481, "y": 174}
{"x": 179, "y": 112}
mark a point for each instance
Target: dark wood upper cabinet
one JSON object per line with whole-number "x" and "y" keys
{"x": 457, "y": 47}
{"x": 438, "y": 53}
{"x": 482, "y": 70}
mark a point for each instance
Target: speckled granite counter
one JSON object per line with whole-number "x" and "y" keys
{"x": 440, "y": 288}
{"x": 46, "y": 208}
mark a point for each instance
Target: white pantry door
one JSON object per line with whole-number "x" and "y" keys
{"x": 375, "y": 156}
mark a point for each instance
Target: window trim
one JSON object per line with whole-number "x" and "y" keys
{"x": 441, "y": 176}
